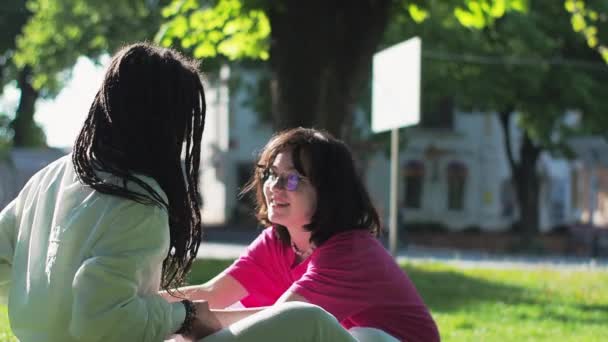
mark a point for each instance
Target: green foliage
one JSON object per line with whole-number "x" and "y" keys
{"x": 222, "y": 27}
{"x": 585, "y": 20}
{"x": 237, "y": 29}
{"x": 13, "y": 16}
{"x": 34, "y": 135}
{"x": 60, "y": 31}
{"x": 481, "y": 13}
{"x": 532, "y": 62}
{"x": 6, "y": 136}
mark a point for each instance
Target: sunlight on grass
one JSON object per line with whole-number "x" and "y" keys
{"x": 514, "y": 304}
{"x": 490, "y": 304}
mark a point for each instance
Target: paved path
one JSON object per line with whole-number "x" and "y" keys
{"x": 229, "y": 244}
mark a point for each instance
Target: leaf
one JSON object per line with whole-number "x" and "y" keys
{"x": 418, "y": 14}
{"x": 172, "y": 9}
{"x": 591, "y": 31}
{"x": 569, "y": 5}
{"x": 604, "y": 52}
{"x": 204, "y": 50}
{"x": 518, "y": 5}
{"x": 578, "y": 22}
{"x": 593, "y": 15}
{"x": 225, "y": 28}
{"x": 468, "y": 19}
{"x": 498, "y": 8}
{"x": 179, "y": 26}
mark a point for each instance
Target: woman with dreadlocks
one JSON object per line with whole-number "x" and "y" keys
{"x": 91, "y": 238}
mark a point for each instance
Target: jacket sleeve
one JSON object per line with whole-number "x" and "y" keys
{"x": 107, "y": 303}
{"x": 8, "y": 232}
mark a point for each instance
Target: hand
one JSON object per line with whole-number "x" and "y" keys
{"x": 205, "y": 323}
{"x": 169, "y": 298}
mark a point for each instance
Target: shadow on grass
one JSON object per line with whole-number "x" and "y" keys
{"x": 554, "y": 313}
{"x": 593, "y": 308}
{"x": 447, "y": 291}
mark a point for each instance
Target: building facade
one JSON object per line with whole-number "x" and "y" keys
{"x": 456, "y": 176}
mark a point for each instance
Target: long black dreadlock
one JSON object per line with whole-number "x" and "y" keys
{"x": 150, "y": 102}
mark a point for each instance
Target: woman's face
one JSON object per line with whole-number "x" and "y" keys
{"x": 290, "y": 197}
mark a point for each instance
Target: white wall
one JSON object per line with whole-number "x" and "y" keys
{"x": 214, "y": 175}
{"x": 477, "y": 141}
{"x": 232, "y": 136}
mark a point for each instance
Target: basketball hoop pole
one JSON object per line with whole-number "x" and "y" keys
{"x": 393, "y": 191}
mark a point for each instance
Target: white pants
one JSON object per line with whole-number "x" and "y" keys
{"x": 295, "y": 322}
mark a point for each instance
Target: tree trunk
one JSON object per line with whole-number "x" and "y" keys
{"x": 24, "y": 127}
{"x": 528, "y": 187}
{"x": 525, "y": 179}
{"x": 321, "y": 54}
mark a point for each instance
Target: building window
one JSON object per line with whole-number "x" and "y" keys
{"x": 457, "y": 178}
{"x": 414, "y": 180}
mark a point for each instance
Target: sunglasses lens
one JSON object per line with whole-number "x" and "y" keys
{"x": 292, "y": 182}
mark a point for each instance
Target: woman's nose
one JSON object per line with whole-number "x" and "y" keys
{"x": 277, "y": 183}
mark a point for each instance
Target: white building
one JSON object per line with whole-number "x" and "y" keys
{"x": 457, "y": 177}
{"x": 460, "y": 178}
{"x": 231, "y": 140}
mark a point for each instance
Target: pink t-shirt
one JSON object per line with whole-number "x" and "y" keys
{"x": 351, "y": 276}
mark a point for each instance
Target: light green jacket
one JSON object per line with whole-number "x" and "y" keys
{"x": 78, "y": 265}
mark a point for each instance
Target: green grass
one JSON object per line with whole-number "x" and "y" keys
{"x": 491, "y": 304}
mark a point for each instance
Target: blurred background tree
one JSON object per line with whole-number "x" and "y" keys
{"x": 13, "y": 17}
{"x": 531, "y": 66}
{"x": 46, "y": 37}
{"x": 507, "y": 56}
{"x": 320, "y": 52}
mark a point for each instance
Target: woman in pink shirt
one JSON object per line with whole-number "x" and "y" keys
{"x": 320, "y": 246}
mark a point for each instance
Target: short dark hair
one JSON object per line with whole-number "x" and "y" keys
{"x": 150, "y": 103}
{"x": 343, "y": 202}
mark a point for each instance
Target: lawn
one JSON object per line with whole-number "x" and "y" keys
{"x": 492, "y": 304}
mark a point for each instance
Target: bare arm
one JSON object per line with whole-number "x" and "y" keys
{"x": 219, "y": 292}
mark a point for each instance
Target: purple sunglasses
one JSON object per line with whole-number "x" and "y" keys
{"x": 289, "y": 181}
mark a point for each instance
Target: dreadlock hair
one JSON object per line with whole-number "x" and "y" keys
{"x": 150, "y": 102}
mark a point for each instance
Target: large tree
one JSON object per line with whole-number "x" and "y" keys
{"x": 320, "y": 51}
{"x": 58, "y": 32}
{"x": 13, "y": 17}
{"x": 320, "y": 56}
{"x": 532, "y": 67}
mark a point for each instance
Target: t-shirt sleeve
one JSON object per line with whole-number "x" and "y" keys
{"x": 337, "y": 279}
{"x": 107, "y": 305}
{"x": 8, "y": 232}
{"x": 254, "y": 268}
